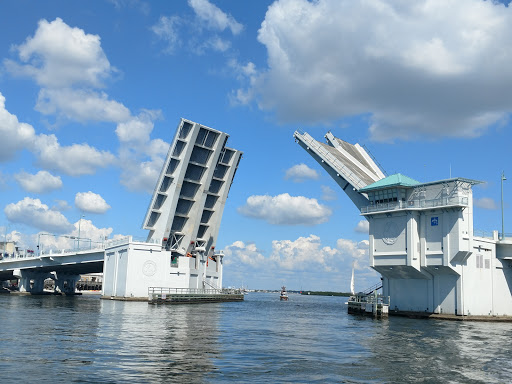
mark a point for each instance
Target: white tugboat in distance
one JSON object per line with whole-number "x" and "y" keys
{"x": 284, "y": 294}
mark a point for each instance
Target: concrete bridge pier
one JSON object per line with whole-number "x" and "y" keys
{"x": 32, "y": 282}
{"x": 66, "y": 283}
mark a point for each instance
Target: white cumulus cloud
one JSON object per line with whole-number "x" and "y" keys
{"x": 142, "y": 176}
{"x": 73, "y": 160}
{"x": 34, "y": 213}
{"x": 141, "y": 159}
{"x": 239, "y": 252}
{"x": 285, "y": 209}
{"x": 41, "y": 182}
{"x": 485, "y": 203}
{"x": 356, "y": 251}
{"x": 363, "y": 226}
{"x": 15, "y": 135}
{"x": 90, "y": 235}
{"x": 81, "y": 105}
{"x": 304, "y": 253}
{"x": 304, "y": 259}
{"x": 421, "y": 68}
{"x": 69, "y": 65}
{"x": 60, "y": 56}
{"x": 91, "y": 202}
{"x": 301, "y": 172}
{"x": 90, "y": 232}
{"x": 61, "y": 205}
{"x": 137, "y": 129}
{"x": 71, "y": 68}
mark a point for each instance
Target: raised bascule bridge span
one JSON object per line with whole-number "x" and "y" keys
{"x": 351, "y": 166}
{"x": 421, "y": 237}
{"x": 183, "y": 221}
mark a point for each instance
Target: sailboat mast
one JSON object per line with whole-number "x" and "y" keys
{"x": 352, "y": 282}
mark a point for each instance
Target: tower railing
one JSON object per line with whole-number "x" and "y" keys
{"x": 417, "y": 204}
{"x": 372, "y": 289}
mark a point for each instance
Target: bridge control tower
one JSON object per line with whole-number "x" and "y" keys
{"x": 183, "y": 219}
{"x": 421, "y": 236}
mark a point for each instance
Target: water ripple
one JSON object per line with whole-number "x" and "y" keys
{"x": 308, "y": 339}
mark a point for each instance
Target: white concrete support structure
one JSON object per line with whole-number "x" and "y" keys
{"x": 66, "y": 283}
{"x": 32, "y": 281}
{"x": 422, "y": 240}
{"x": 183, "y": 220}
{"x": 29, "y": 281}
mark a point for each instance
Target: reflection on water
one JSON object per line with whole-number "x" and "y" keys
{"x": 307, "y": 339}
{"x": 141, "y": 342}
{"x": 431, "y": 350}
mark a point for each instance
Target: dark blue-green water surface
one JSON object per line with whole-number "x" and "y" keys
{"x": 309, "y": 339}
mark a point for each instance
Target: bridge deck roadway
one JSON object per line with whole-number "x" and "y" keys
{"x": 76, "y": 263}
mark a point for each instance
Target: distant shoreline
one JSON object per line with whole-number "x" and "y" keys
{"x": 325, "y": 293}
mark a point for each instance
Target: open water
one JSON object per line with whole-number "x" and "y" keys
{"x": 309, "y": 339}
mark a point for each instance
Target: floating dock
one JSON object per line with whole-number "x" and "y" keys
{"x": 159, "y": 295}
{"x": 372, "y": 305}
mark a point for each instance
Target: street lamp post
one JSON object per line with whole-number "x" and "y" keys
{"x": 503, "y": 178}
{"x": 79, "y": 225}
{"x": 40, "y": 245}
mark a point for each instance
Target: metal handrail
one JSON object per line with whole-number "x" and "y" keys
{"x": 191, "y": 291}
{"x": 50, "y": 252}
{"x": 372, "y": 289}
{"x": 371, "y": 299}
{"x": 482, "y": 233}
{"x": 415, "y": 204}
{"x": 211, "y": 286}
{"x": 374, "y": 159}
{"x": 505, "y": 235}
{"x": 113, "y": 242}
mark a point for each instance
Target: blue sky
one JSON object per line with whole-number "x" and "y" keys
{"x": 92, "y": 92}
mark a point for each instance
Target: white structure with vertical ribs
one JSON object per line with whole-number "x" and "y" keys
{"x": 183, "y": 220}
{"x": 422, "y": 240}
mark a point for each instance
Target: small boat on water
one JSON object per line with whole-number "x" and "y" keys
{"x": 243, "y": 290}
{"x": 284, "y": 295}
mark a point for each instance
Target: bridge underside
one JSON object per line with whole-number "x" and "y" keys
{"x": 66, "y": 269}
